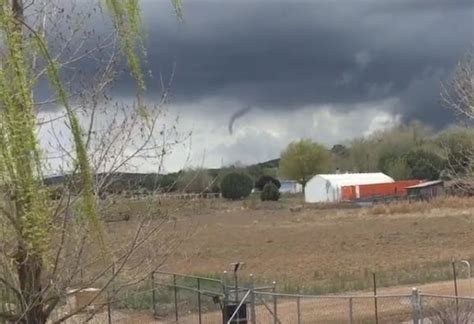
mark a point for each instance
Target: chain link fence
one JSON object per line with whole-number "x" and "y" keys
{"x": 286, "y": 308}
{"x": 170, "y": 298}
{"x": 187, "y": 299}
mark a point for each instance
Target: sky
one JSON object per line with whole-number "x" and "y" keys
{"x": 250, "y": 76}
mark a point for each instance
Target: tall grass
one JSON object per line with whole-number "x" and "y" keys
{"x": 343, "y": 282}
{"x": 406, "y": 207}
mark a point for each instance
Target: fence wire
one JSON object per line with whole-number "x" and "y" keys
{"x": 332, "y": 309}
{"x": 187, "y": 299}
{"x": 171, "y": 298}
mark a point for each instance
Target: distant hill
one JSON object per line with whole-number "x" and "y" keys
{"x": 127, "y": 181}
{"x": 269, "y": 164}
{"x": 120, "y": 181}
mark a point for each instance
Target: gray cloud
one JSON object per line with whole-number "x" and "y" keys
{"x": 323, "y": 69}
{"x": 284, "y": 55}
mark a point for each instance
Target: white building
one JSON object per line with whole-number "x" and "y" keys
{"x": 327, "y": 187}
{"x": 290, "y": 186}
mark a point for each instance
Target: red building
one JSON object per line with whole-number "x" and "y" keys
{"x": 397, "y": 188}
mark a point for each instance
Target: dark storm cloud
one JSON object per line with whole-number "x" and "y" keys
{"x": 289, "y": 54}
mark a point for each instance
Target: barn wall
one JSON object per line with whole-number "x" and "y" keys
{"x": 329, "y": 187}
{"x": 396, "y": 188}
{"x": 318, "y": 189}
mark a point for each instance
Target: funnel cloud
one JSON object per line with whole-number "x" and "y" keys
{"x": 238, "y": 114}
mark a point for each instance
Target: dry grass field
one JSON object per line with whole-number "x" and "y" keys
{"x": 323, "y": 248}
{"x": 318, "y": 249}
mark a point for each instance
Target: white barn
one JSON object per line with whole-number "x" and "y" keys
{"x": 327, "y": 187}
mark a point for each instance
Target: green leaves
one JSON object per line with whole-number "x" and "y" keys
{"x": 127, "y": 19}
{"x": 178, "y": 8}
{"x": 303, "y": 159}
{"x": 21, "y": 169}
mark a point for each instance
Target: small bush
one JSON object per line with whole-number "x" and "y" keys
{"x": 448, "y": 311}
{"x": 270, "y": 192}
{"x": 263, "y": 180}
{"x": 236, "y": 186}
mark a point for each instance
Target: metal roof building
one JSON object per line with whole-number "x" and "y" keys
{"x": 327, "y": 187}
{"x": 426, "y": 190}
{"x": 290, "y": 186}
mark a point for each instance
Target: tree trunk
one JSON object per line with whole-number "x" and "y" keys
{"x": 29, "y": 265}
{"x": 29, "y": 268}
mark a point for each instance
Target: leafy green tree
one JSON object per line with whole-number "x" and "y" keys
{"x": 381, "y": 150}
{"x": 457, "y": 146}
{"x": 270, "y": 192}
{"x": 340, "y": 150}
{"x": 398, "y": 169}
{"x": 195, "y": 180}
{"x": 236, "y": 185}
{"x": 39, "y": 242}
{"x": 387, "y": 161}
{"x": 166, "y": 183}
{"x": 340, "y": 155}
{"x": 303, "y": 159}
{"x": 272, "y": 172}
{"x": 362, "y": 156}
{"x": 254, "y": 171}
{"x": 263, "y": 180}
{"x": 424, "y": 164}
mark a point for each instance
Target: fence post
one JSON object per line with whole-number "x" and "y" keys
{"x": 456, "y": 291}
{"x": 275, "y": 304}
{"x": 224, "y": 285}
{"x": 420, "y": 311}
{"x": 113, "y": 281}
{"x": 416, "y": 307}
{"x": 175, "y": 298}
{"x": 109, "y": 309}
{"x": 375, "y": 299}
{"x": 253, "y": 316}
{"x": 114, "y": 292}
{"x": 351, "y": 319}
{"x": 153, "y": 293}
{"x": 199, "y": 298}
{"x": 224, "y": 291}
{"x": 298, "y": 309}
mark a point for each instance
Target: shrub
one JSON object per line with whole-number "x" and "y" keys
{"x": 448, "y": 311}
{"x": 263, "y": 180}
{"x": 194, "y": 181}
{"x": 236, "y": 186}
{"x": 424, "y": 164}
{"x": 270, "y": 192}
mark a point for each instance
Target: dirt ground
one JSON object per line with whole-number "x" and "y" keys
{"x": 315, "y": 244}
{"x": 335, "y": 250}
